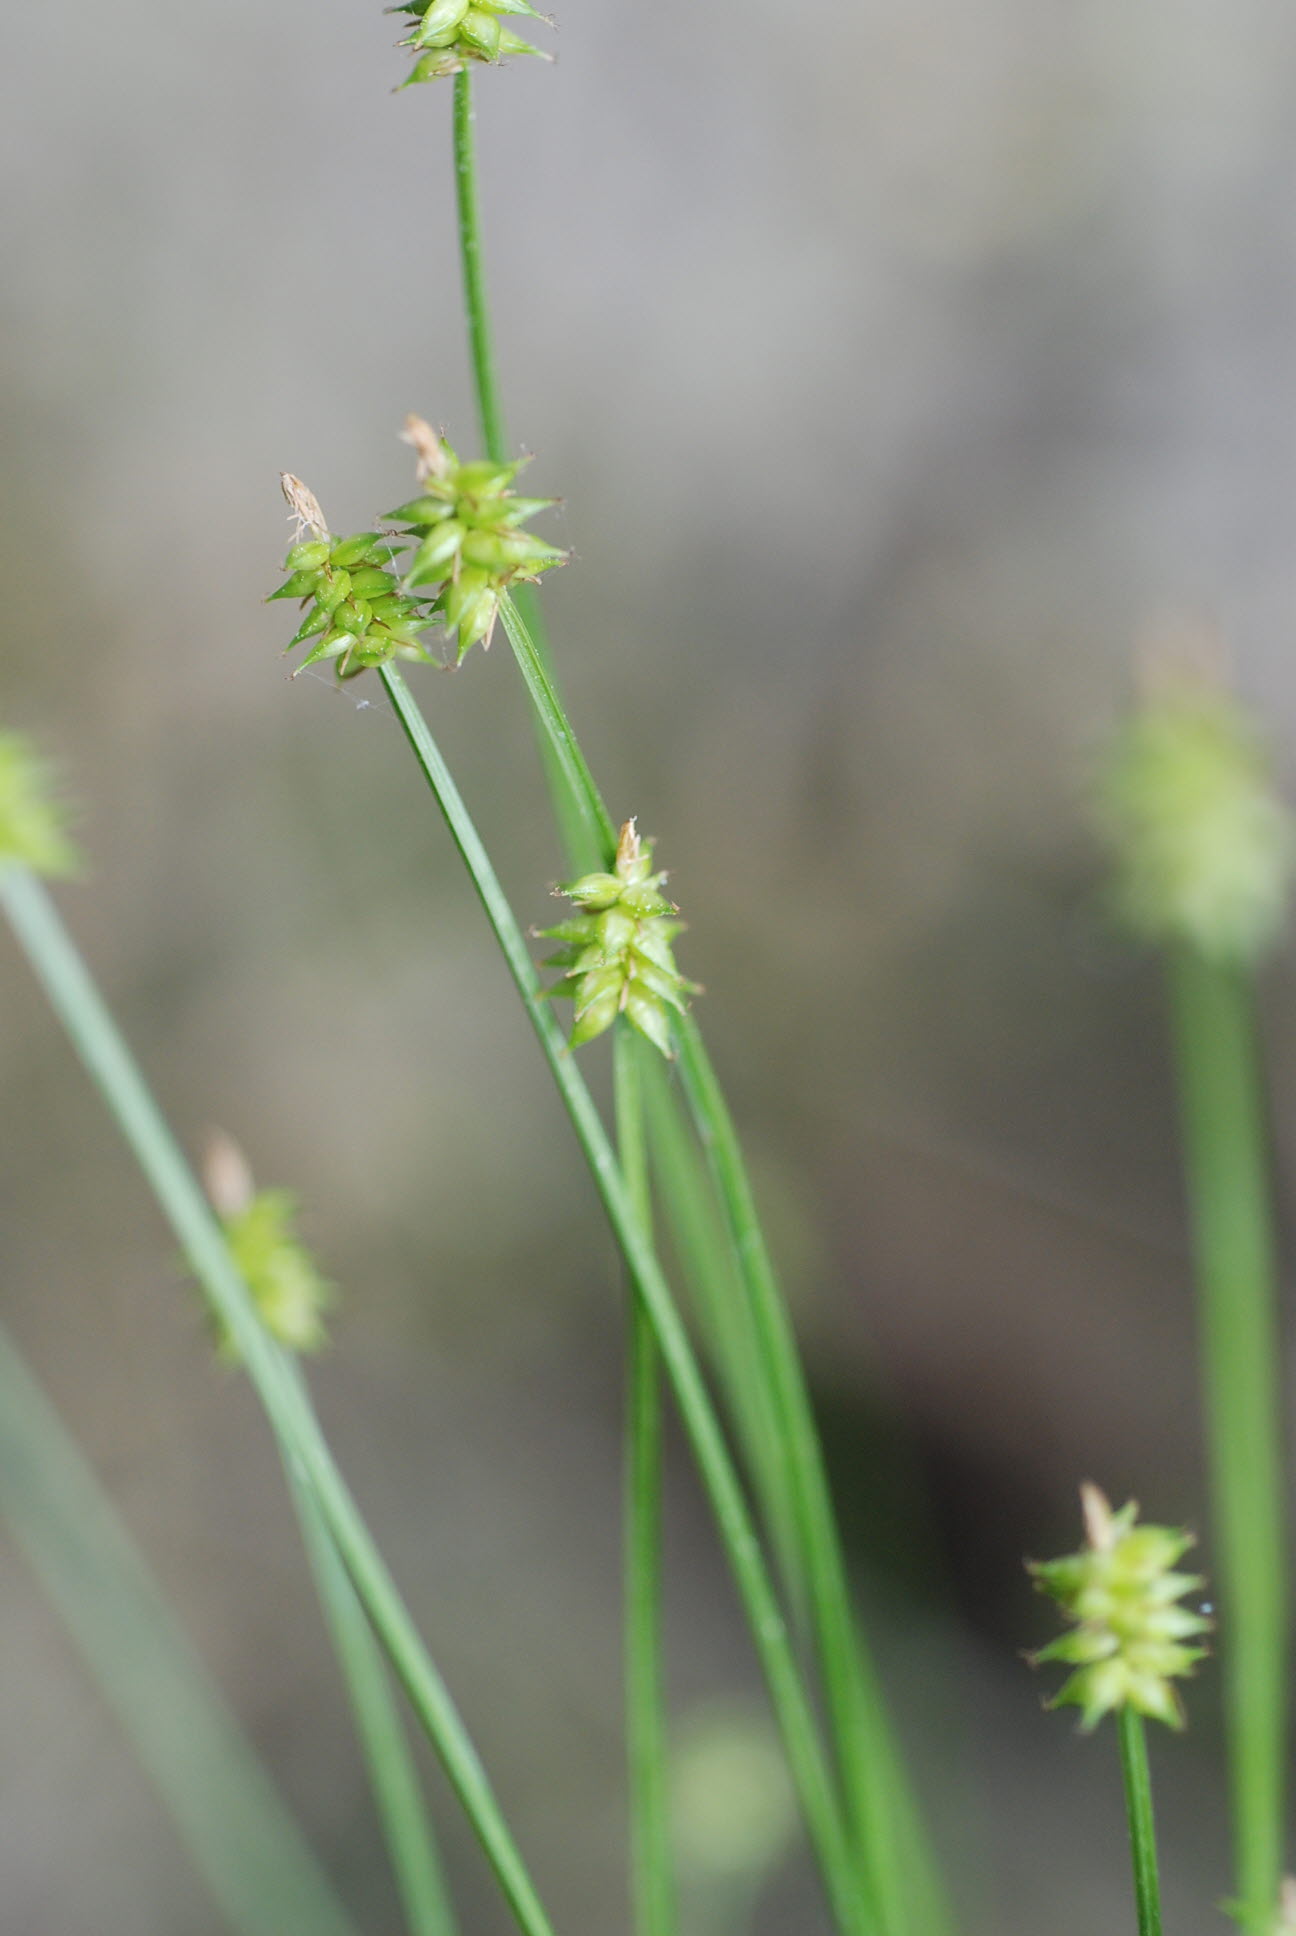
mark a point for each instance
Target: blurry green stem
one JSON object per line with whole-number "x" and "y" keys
{"x": 97, "y": 1039}
{"x": 1225, "y": 1150}
{"x": 230, "y": 1816}
{"x": 1138, "y": 1808}
{"x": 397, "y": 1792}
{"x": 652, "y": 1886}
{"x": 769, "y": 1632}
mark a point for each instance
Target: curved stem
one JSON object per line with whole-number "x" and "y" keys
{"x": 102, "y": 1048}
{"x": 1225, "y": 1146}
{"x": 652, "y": 1888}
{"x": 1138, "y": 1808}
{"x": 769, "y": 1631}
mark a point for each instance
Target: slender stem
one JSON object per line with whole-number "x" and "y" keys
{"x": 476, "y": 308}
{"x": 230, "y": 1816}
{"x": 1225, "y": 1149}
{"x": 651, "y": 1869}
{"x": 1142, "y": 1831}
{"x": 102, "y": 1048}
{"x": 710, "y": 1450}
{"x": 881, "y": 1809}
{"x": 398, "y": 1794}
{"x": 569, "y": 768}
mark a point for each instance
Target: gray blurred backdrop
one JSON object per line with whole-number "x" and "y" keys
{"x": 897, "y": 363}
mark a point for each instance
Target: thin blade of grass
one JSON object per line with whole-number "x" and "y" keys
{"x": 230, "y": 1815}
{"x": 76, "y": 1000}
{"x": 792, "y": 1707}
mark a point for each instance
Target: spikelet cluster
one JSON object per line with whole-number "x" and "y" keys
{"x": 465, "y": 535}
{"x": 447, "y": 35}
{"x": 32, "y": 829}
{"x": 260, "y": 1226}
{"x": 1204, "y": 846}
{"x": 616, "y": 955}
{"x": 1131, "y": 1639}
{"x": 356, "y": 612}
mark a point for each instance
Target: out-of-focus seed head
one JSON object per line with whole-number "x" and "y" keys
{"x": 1130, "y": 1638}
{"x": 1203, "y": 844}
{"x": 286, "y": 1285}
{"x": 33, "y": 829}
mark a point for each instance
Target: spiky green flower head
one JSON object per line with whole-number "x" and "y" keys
{"x": 448, "y": 35}
{"x": 1204, "y": 846}
{"x": 33, "y": 830}
{"x": 286, "y": 1285}
{"x": 1131, "y": 1640}
{"x": 465, "y": 530}
{"x": 357, "y": 613}
{"x": 616, "y": 955}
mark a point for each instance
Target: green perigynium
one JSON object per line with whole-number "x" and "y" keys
{"x": 32, "y": 829}
{"x": 358, "y": 615}
{"x": 1131, "y": 1639}
{"x": 1204, "y": 846}
{"x": 616, "y": 954}
{"x": 286, "y": 1285}
{"x": 466, "y": 536}
{"x": 447, "y": 34}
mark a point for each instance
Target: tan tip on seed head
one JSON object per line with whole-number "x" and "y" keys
{"x": 627, "y": 845}
{"x": 226, "y": 1175}
{"x": 430, "y": 458}
{"x": 1097, "y": 1517}
{"x": 303, "y": 505}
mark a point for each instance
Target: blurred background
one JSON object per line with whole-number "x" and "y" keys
{"x": 897, "y": 365}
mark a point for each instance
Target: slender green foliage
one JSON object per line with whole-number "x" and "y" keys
{"x": 80, "y": 1007}
{"x": 1138, "y": 1809}
{"x": 231, "y": 1818}
{"x": 1226, "y": 1157}
{"x": 652, "y": 1884}
{"x": 710, "y": 1450}
{"x": 398, "y": 1795}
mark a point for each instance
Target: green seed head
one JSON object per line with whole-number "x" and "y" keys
{"x": 260, "y": 1226}
{"x": 1204, "y": 846}
{"x": 464, "y": 538}
{"x": 32, "y": 818}
{"x": 616, "y": 954}
{"x": 356, "y": 612}
{"x": 445, "y": 35}
{"x": 1130, "y": 1638}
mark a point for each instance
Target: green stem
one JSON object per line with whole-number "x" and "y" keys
{"x": 571, "y": 777}
{"x": 651, "y": 1869}
{"x": 714, "y": 1463}
{"x": 476, "y": 309}
{"x": 1225, "y": 1148}
{"x": 230, "y": 1816}
{"x": 1142, "y": 1831}
{"x": 881, "y": 1809}
{"x": 102, "y": 1048}
{"x": 398, "y": 1794}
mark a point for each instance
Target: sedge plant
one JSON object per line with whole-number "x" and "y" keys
{"x": 1205, "y": 850}
{"x": 1129, "y": 1641}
